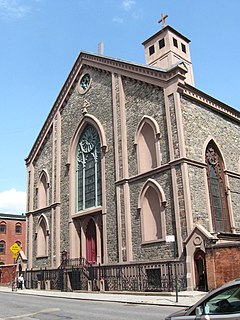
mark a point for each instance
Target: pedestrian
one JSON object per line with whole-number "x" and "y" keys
{"x": 20, "y": 282}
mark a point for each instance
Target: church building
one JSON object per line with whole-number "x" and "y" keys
{"x": 136, "y": 166}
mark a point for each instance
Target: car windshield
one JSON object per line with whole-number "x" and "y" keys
{"x": 225, "y": 301}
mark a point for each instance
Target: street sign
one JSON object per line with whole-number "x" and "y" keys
{"x": 15, "y": 248}
{"x": 170, "y": 238}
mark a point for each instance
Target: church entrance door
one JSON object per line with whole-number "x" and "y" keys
{"x": 91, "y": 243}
{"x": 200, "y": 270}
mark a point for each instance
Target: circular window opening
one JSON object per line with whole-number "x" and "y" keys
{"x": 84, "y": 83}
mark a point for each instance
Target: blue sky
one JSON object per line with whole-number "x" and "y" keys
{"x": 41, "y": 39}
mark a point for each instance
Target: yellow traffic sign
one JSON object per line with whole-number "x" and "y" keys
{"x": 15, "y": 248}
{"x": 14, "y": 255}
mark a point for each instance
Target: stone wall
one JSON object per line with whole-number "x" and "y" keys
{"x": 200, "y": 124}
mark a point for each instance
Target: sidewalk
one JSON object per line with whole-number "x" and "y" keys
{"x": 185, "y": 298}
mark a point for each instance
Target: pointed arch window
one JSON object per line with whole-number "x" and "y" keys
{"x": 217, "y": 189}
{"x": 43, "y": 190}
{"x": 88, "y": 170}
{"x": 153, "y": 213}
{"x": 146, "y": 140}
{"x": 42, "y": 237}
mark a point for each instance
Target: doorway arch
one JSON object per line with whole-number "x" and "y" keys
{"x": 200, "y": 270}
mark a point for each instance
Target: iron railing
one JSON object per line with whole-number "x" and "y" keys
{"x": 78, "y": 274}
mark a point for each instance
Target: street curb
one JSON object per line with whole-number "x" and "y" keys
{"x": 101, "y": 300}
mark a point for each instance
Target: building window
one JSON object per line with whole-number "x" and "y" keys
{"x": 43, "y": 190}
{"x": 19, "y": 243}
{"x": 2, "y": 247}
{"x": 3, "y": 227}
{"x": 147, "y": 145}
{"x": 161, "y": 43}
{"x": 42, "y": 237}
{"x": 18, "y": 228}
{"x": 151, "y": 50}
{"x": 88, "y": 170}
{"x": 183, "y": 48}
{"x": 217, "y": 189}
{"x": 152, "y": 211}
{"x": 175, "y": 43}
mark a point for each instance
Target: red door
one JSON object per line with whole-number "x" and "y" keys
{"x": 200, "y": 270}
{"x": 91, "y": 252}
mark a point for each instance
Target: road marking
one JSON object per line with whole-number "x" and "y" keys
{"x": 33, "y": 314}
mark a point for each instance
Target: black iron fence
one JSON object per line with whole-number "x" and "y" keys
{"x": 80, "y": 275}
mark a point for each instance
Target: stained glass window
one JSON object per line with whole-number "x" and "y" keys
{"x": 88, "y": 170}
{"x": 217, "y": 189}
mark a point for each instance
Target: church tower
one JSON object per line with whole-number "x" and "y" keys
{"x": 166, "y": 48}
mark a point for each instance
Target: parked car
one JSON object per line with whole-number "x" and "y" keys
{"x": 221, "y": 303}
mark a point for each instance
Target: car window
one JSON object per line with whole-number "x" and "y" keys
{"x": 226, "y": 301}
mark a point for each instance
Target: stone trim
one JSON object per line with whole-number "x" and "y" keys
{"x": 37, "y": 211}
{"x": 207, "y": 100}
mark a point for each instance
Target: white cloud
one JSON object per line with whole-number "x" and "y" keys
{"x": 118, "y": 20}
{"x": 128, "y": 4}
{"x": 12, "y": 201}
{"x": 13, "y": 9}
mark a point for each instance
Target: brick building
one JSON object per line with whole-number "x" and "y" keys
{"x": 132, "y": 157}
{"x": 12, "y": 230}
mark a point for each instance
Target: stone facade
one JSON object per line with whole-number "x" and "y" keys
{"x": 139, "y": 112}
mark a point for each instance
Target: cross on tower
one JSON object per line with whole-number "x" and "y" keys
{"x": 163, "y": 20}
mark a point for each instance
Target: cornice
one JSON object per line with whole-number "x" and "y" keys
{"x": 201, "y": 97}
{"x": 43, "y": 210}
{"x": 152, "y": 75}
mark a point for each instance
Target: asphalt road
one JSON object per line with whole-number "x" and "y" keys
{"x": 25, "y": 307}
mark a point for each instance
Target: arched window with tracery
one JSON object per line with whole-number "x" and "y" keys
{"x": 146, "y": 140}
{"x": 217, "y": 189}
{"x": 88, "y": 170}
{"x": 152, "y": 205}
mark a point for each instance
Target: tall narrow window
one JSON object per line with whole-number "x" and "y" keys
{"x": 43, "y": 191}
{"x": 147, "y": 156}
{"x": 18, "y": 228}
{"x": 217, "y": 189}
{"x": 42, "y": 238}
{"x": 3, "y": 227}
{"x": 88, "y": 170}
{"x": 152, "y": 206}
{"x": 2, "y": 247}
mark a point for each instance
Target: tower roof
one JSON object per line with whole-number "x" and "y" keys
{"x": 166, "y": 28}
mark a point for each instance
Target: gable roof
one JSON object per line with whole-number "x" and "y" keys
{"x": 141, "y": 72}
{"x": 152, "y": 75}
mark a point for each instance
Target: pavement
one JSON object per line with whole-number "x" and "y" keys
{"x": 183, "y": 299}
